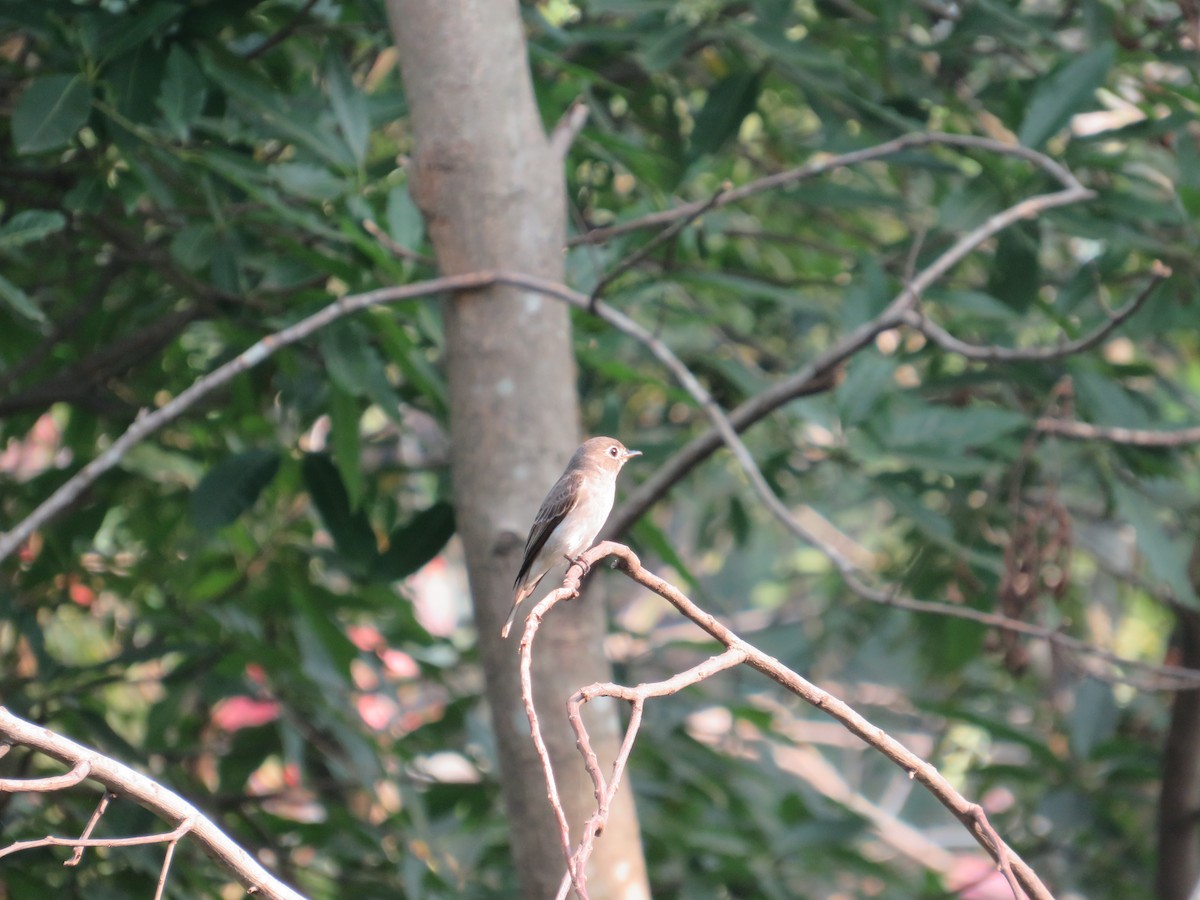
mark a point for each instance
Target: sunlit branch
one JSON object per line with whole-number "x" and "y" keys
{"x": 568, "y": 127}
{"x": 119, "y": 779}
{"x": 738, "y": 651}
{"x": 138, "y": 841}
{"x": 1137, "y": 437}
{"x": 105, "y": 798}
{"x": 78, "y": 773}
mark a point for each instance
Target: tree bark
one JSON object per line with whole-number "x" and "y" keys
{"x": 1179, "y": 800}
{"x": 491, "y": 190}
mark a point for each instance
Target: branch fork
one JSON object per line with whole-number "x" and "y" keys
{"x": 737, "y": 652}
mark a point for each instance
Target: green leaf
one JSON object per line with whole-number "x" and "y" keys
{"x": 948, "y": 428}
{"x": 193, "y": 245}
{"x": 1016, "y": 270}
{"x": 404, "y": 222}
{"x": 344, "y": 415}
{"x": 182, "y": 93}
{"x": 1058, "y": 97}
{"x": 354, "y": 365}
{"x": 649, "y": 535}
{"x": 250, "y": 89}
{"x": 729, "y": 102}
{"x": 231, "y": 487}
{"x": 867, "y": 296}
{"x": 224, "y": 269}
{"x": 309, "y": 181}
{"x": 131, "y": 83}
{"x": 412, "y": 545}
{"x": 417, "y": 371}
{"x": 1166, "y": 554}
{"x": 1094, "y": 718}
{"x": 50, "y": 112}
{"x": 19, "y": 301}
{"x": 1105, "y": 401}
{"x": 869, "y": 377}
{"x": 350, "y": 529}
{"x": 30, "y": 225}
{"x": 129, "y": 31}
{"x": 660, "y": 51}
{"x": 349, "y": 107}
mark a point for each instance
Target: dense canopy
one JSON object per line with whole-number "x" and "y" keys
{"x": 263, "y": 604}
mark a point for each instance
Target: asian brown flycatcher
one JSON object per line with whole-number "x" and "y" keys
{"x": 572, "y": 514}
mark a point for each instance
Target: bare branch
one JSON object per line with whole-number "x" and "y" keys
{"x": 137, "y": 841}
{"x": 820, "y": 374}
{"x": 971, "y": 815}
{"x": 105, "y": 798}
{"x": 44, "y": 785}
{"x": 118, "y": 778}
{"x": 654, "y": 243}
{"x": 1162, "y": 677}
{"x": 990, "y": 353}
{"x": 568, "y": 127}
{"x": 570, "y": 583}
{"x": 811, "y": 378}
{"x": 283, "y": 33}
{"x": 1137, "y": 437}
{"x": 147, "y": 423}
{"x": 637, "y": 697}
{"x": 166, "y": 867}
{"x": 372, "y": 228}
{"x": 823, "y": 163}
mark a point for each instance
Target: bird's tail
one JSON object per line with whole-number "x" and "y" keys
{"x": 523, "y": 591}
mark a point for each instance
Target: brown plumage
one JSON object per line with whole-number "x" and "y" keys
{"x": 574, "y": 511}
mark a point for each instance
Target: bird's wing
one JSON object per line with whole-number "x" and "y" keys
{"x": 563, "y": 498}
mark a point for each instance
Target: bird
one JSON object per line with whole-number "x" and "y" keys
{"x": 574, "y": 511}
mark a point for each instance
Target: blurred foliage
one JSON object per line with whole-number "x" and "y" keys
{"x": 231, "y": 608}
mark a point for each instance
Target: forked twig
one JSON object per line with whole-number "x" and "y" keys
{"x": 738, "y": 651}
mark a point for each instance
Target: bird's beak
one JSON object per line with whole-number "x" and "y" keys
{"x": 630, "y": 454}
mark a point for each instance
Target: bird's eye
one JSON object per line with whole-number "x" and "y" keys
{"x": 612, "y": 451}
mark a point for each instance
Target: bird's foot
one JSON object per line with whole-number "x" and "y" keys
{"x": 582, "y": 563}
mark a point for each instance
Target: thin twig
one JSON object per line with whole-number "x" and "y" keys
{"x": 167, "y": 805}
{"x": 570, "y": 587}
{"x": 820, "y": 373}
{"x": 637, "y": 697}
{"x": 166, "y": 867}
{"x": 105, "y": 799}
{"x": 823, "y": 163}
{"x": 723, "y": 430}
{"x": 1165, "y": 678}
{"x": 568, "y": 127}
{"x": 148, "y": 422}
{"x": 135, "y": 841}
{"x": 282, "y": 34}
{"x": 999, "y": 850}
{"x": 44, "y": 785}
{"x": 372, "y": 228}
{"x": 653, "y": 244}
{"x": 1137, "y": 437}
{"x": 991, "y": 353}
{"x": 969, "y": 814}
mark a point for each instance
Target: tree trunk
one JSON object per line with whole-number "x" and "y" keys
{"x": 1179, "y": 801}
{"x": 491, "y": 191}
